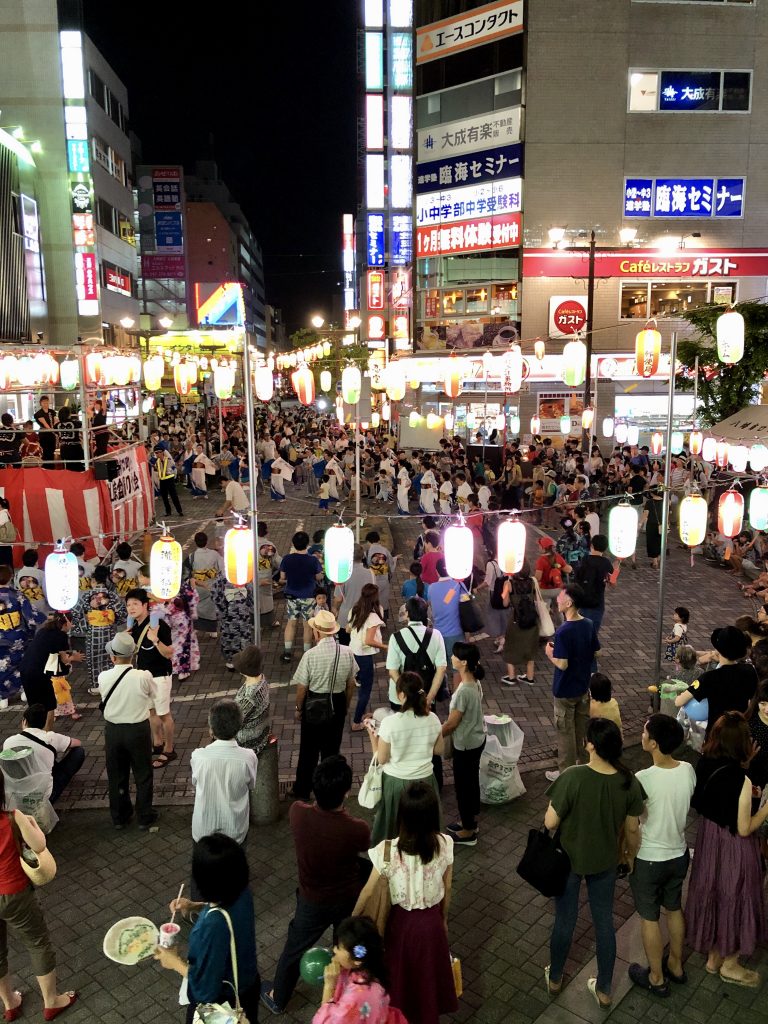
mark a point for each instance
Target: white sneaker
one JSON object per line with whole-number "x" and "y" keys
{"x": 552, "y": 776}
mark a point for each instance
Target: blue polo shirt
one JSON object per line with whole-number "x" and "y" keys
{"x": 300, "y": 571}
{"x": 577, "y": 642}
{"x": 444, "y": 601}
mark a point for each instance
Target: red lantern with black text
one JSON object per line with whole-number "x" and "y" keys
{"x": 647, "y": 352}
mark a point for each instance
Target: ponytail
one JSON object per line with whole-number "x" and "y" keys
{"x": 605, "y": 736}
{"x": 411, "y": 685}
{"x": 471, "y": 654}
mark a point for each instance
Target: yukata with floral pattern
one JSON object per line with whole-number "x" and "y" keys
{"x": 96, "y": 616}
{"x": 235, "y": 608}
{"x": 180, "y": 614}
{"x": 18, "y": 621}
{"x": 357, "y": 1000}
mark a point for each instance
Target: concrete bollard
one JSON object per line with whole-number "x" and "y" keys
{"x": 265, "y": 804}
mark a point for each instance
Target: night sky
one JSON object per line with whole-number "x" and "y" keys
{"x": 277, "y": 91}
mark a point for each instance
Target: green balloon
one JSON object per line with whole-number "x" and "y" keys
{"x": 313, "y": 963}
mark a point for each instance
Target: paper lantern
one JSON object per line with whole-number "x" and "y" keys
{"x": 622, "y": 432}
{"x": 120, "y": 370}
{"x": 622, "y": 530}
{"x": 326, "y": 348}
{"x": 238, "y": 555}
{"x": 565, "y": 425}
{"x": 413, "y": 419}
{"x": 647, "y": 352}
{"x": 433, "y": 422}
{"x": 574, "y": 364}
{"x": 459, "y": 551}
{"x": 414, "y": 385}
{"x": 758, "y": 508}
{"x": 657, "y": 442}
{"x": 730, "y": 337}
{"x": 608, "y": 426}
{"x": 696, "y": 441}
{"x": 510, "y": 546}
{"x": 512, "y": 370}
{"x": 730, "y": 513}
{"x": 587, "y": 418}
{"x": 326, "y": 380}
{"x": 676, "y": 441}
{"x": 488, "y": 362}
{"x": 7, "y": 372}
{"x": 62, "y": 579}
{"x": 135, "y": 364}
{"x": 338, "y": 551}
{"x": 693, "y": 520}
{"x": 351, "y": 383}
{"x": 303, "y": 381}
{"x": 264, "y": 383}
{"x": 455, "y": 372}
{"x": 539, "y": 349}
{"x": 471, "y": 419}
{"x": 737, "y": 456}
{"x": 70, "y": 374}
{"x": 633, "y": 434}
{"x": 184, "y": 376}
{"x": 535, "y": 425}
{"x": 93, "y": 368}
{"x": 223, "y": 382}
{"x": 165, "y": 561}
{"x": 758, "y": 457}
{"x": 721, "y": 454}
{"x": 375, "y": 419}
{"x": 709, "y": 449}
{"x": 154, "y": 368}
{"x": 395, "y": 382}
{"x": 514, "y": 425}
{"x": 386, "y": 411}
{"x": 448, "y": 421}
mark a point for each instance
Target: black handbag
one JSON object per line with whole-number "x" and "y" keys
{"x": 545, "y": 865}
{"x": 318, "y": 707}
{"x": 469, "y": 616}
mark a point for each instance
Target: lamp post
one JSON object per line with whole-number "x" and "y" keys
{"x": 556, "y": 236}
{"x": 249, "y": 425}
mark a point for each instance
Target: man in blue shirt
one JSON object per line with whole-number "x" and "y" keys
{"x": 444, "y": 598}
{"x": 571, "y": 652}
{"x": 300, "y": 572}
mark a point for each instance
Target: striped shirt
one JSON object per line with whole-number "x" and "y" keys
{"x": 223, "y": 773}
{"x": 315, "y": 669}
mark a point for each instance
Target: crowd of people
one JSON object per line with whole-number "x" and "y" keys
{"x": 610, "y": 821}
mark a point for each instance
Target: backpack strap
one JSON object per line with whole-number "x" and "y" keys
{"x": 423, "y": 644}
{"x": 36, "y": 739}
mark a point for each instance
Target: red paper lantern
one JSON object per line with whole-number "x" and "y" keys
{"x": 730, "y": 513}
{"x": 721, "y": 454}
{"x": 455, "y": 371}
{"x": 303, "y": 381}
{"x": 657, "y": 440}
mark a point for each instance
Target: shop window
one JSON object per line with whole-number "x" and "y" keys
{"x": 676, "y": 297}
{"x": 477, "y": 300}
{"x": 634, "y": 300}
{"x": 453, "y": 303}
{"x": 689, "y": 91}
{"x": 504, "y": 300}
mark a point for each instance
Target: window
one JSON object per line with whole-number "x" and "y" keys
{"x": 111, "y": 162}
{"x": 681, "y": 91}
{"x": 675, "y": 298}
{"x": 634, "y": 301}
{"x": 115, "y": 111}
{"x": 642, "y": 299}
{"x": 116, "y": 279}
{"x": 710, "y": 2}
{"x": 106, "y": 216}
{"x": 97, "y": 88}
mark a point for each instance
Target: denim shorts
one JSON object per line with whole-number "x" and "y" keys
{"x": 657, "y": 884}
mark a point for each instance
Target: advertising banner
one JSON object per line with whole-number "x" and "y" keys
{"x": 643, "y": 264}
{"x": 474, "y": 28}
{"x": 156, "y": 266}
{"x": 168, "y": 234}
{"x": 127, "y": 484}
{"x": 567, "y": 315}
{"x": 493, "y": 129}
{"x": 501, "y": 231}
{"x": 485, "y": 165}
{"x": 448, "y": 205}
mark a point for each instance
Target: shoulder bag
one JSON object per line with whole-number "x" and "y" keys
{"x": 545, "y": 865}
{"x": 378, "y": 903}
{"x": 546, "y": 625}
{"x": 469, "y": 616}
{"x": 40, "y": 868}
{"x": 370, "y": 788}
{"x": 223, "y": 1013}
{"x": 318, "y": 707}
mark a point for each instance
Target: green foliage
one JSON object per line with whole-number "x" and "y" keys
{"x": 724, "y": 390}
{"x": 341, "y": 355}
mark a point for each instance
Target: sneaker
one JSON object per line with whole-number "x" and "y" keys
{"x": 267, "y": 1000}
{"x": 552, "y": 776}
{"x": 641, "y": 976}
{"x": 463, "y": 840}
{"x": 509, "y": 680}
{"x": 94, "y": 691}
{"x": 285, "y": 657}
{"x": 145, "y": 826}
{"x": 525, "y": 679}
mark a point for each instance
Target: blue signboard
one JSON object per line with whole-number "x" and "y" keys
{"x": 375, "y": 239}
{"x": 690, "y": 90}
{"x": 683, "y": 197}
{"x": 402, "y": 239}
{"x": 168, "y": 236}
{"x": 471, "y": 168}
{"x": 77, "y": 156}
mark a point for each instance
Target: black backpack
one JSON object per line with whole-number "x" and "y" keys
{"x": 418, "y": 660}
{"x": 526, "y": 615}
{"x": 496, "y": 600}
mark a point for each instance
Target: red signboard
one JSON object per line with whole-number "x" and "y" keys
{"x": 569, "y": 316}
{"x": 377, "y": 327}
{"x": 501, "y": 231}
{"x": 90, "y": 286}
{"x": 159, "y": 265}
{"x": 118, "y": 282}
{"x": 641, "y": 264}
{"x": 375, "y": 289}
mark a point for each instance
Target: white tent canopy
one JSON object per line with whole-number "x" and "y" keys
{"x": 748, "y": 426}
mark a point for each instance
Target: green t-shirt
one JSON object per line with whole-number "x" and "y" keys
{"x": 592, "y": 808}
{"x": 470, "y": 732}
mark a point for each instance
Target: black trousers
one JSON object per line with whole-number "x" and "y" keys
{"x": 129, "y": 748}
{"x": 65, "y": 769}
{"x": 317, "y": 742}
{"x": 168, "y": 490}
{"x": 308, "y": 924}
{"x": 466, "y": 778}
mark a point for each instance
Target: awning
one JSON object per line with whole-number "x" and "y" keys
{"x": 745, "y": 427}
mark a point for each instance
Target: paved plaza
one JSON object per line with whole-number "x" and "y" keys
{"x": 498, "y": 926}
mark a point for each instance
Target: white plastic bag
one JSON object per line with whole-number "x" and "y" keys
{"x": 370, "y": 787}
{"x": 500, "y": 779}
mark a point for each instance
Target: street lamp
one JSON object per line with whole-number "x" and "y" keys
{"x": 127, "y": 322}
{"x": 354, "y": 322}
{"x": 166, "y": 322}
{"x": 317, "y": 321}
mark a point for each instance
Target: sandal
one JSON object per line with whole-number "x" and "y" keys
{"x": 157, "y": 748}
{"x": 592, "y": 987}
{"x": 750, "y": 979}
{"x": 550, "y": 990}
{"x": 164, "y": 758}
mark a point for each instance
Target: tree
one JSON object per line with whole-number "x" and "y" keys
{"x": 724, "y": 390}
{"x": 340, "y": 355}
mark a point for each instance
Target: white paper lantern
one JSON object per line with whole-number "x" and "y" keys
{"x": 510, "y": 547}
{"x": 448, "y": 421}
{"x": 633, "y": 434}
{"x": 459, "y": 550}
{"x": 758, "y": 508}
{"x": 165, "y": 562}
{"x": 565, "y": 425}
{"x": 574, "y": 371}
{"x": 657, "y": 442}
{"x": 351, "y": 383}
{"x": 693, "y": 520}
{"x": 676, "y": 441}
{"x": 587, "y": 418}
{"x": 622, "y": 432}
{"x": 394, "y": 378}
{"x": 535, "y": 425}
{"x": 709, "y": 449}
{"x": 737, "y": 456}
{"x": 721, "y": 454}
{"x": 730, "y": 337}
{"x": 514, "y": 425}
{"x": 414, "y": 419}
{"x": 326, "y": 380}
{"x": 758, "y": 457}
{"x": 608, "y": 426}
{"x": 338, "y": 551}
{"x": 512, "y": 370}
{"x": 501, "y": 421}
{"x": 434, "y": 422}
{"x": 265, "y": 383}
{"x": 62, "y": 579}
{"x": 622, "y": 530}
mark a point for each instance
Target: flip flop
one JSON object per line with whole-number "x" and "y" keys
{"x": 164, "y": 758}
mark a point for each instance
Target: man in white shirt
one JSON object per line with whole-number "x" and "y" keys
{"x": 234, "y": 498}
{"x": 412, "y": 635}
{"x": 53, "y": 753}
{"x": 463, "y": 490}
{"x": 662, "y": 860}
{"x": 127, "y": 693}
{"x": 223, "y": 774}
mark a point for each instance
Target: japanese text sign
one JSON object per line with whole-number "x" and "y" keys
{"x": 486, "y": 165}
{"x": 473, "y": 28}
{"x": 443, "y": 141}
{"x": 642, "y": 264}
{"x": 127, "y": 484}
{"x": 402, "y": 239}
{"x": 684, "y": 197}
{"x": 488, "y": 198}
{"x": 168, "y": 237}
{"x": 375, "y": 239}
{"x": 567, "y": 315}
{"x": 502, "y": 231}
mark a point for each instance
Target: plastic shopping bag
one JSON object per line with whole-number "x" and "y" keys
{"x": 500, "y": 779}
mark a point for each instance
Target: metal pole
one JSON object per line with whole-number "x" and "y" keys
{"x": 221, "y": 424}
{"x": 249, "y": 426}
{"x": 84, "y": 413}
{"x": 357, "y": 471}
{"x": 695, "y": 389}
{"x": 590, "y": 323}
{"x": 485, "y": 415}
{"x": 665, "y": 515}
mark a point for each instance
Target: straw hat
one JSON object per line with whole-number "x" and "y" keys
{"x": 325, "y": 622}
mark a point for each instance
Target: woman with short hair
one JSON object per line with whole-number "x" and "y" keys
{"x": 253, "y": 699}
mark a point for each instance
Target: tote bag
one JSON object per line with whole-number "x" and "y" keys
{"x": 370, "y": 788}
{"x": 545, "y": 865}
